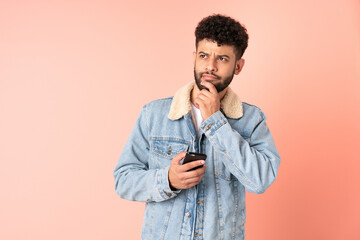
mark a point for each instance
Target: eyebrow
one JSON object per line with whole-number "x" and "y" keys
{"x": 224, "y": 55}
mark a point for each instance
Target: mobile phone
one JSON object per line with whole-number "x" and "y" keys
{"x": 192, "y": 156}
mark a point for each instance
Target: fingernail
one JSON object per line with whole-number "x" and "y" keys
{"x": 202, "y": 162}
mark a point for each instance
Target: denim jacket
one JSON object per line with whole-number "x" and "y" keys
{"x": 241, "y": 154}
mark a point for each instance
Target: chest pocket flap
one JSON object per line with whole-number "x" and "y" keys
{"x": 168, "y": 148}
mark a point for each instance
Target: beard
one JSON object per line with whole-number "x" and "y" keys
{"x": 220, "y": 86}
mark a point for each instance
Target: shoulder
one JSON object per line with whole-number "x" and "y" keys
{"x": 158, "y": 108}
{"x": 250, "y": 110}
{"x": 158, "y": 103}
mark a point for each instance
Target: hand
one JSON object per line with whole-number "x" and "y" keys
{"x": 180, "y": 178}
{"x": 207, "y": 101}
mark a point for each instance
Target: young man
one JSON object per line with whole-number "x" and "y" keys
{"x": 205, "y": 117}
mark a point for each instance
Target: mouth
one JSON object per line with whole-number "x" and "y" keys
{"x": 206, "y": 76}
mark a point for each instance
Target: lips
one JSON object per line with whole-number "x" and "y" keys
{"x": 209, "y": 77}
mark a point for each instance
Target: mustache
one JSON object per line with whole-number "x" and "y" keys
{"x": 210, "y": 73}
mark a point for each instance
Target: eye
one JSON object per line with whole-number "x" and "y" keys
{"x": 222, "y": 59}
{"x": 202, "y": 56}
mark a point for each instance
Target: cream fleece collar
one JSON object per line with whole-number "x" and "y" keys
{"x": 181, "y": 104}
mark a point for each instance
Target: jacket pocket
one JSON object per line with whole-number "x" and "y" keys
{"x": 164, "y": 149}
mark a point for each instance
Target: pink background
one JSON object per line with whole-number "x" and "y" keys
{"x": 75, "y": 74}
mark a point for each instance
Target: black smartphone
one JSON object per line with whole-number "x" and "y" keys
{"x": 192, "y": 156}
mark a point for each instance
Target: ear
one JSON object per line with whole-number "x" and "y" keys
{"x": 239, "y": 65}
{"x": 194, "y": 57}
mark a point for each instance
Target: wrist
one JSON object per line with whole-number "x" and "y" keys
{"x": 172, "y": 188}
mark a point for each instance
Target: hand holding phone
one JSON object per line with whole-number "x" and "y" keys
{"x": 192, "y": 156}
{"x": 180, "y": 176}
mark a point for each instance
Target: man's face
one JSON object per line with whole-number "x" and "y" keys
{"x": 215, "y": 64}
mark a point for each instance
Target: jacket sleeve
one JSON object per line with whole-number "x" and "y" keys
{"x": 133, "y": 178}
{"x": 254, "y": 164}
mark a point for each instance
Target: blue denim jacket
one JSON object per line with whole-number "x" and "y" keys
{"x": 241, "y": 154}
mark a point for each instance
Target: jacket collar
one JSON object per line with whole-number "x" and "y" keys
{"x": 181, "y": 104}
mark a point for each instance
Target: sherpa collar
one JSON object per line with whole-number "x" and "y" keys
{"x": 181, "y": 104}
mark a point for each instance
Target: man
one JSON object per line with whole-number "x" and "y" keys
{"x": 205, "y": 117}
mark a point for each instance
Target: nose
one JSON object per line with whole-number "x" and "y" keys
{"x": 211, "y": 65}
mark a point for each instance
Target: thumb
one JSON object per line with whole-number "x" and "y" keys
{"x": 176, "y": 160}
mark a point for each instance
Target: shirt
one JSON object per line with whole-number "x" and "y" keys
{"x": 196, "y": 115}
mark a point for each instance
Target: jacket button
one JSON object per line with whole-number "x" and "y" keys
{"x": 188, "y": 214}
{"x": 169, "y": 152}
{"x": 168, "y": 194}
{"x": 208, "y": 127}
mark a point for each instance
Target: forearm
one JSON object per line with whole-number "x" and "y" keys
{"x": 254, "y": 164}
{"x": 133, "y": 178}
{"x": 142, "y": 185}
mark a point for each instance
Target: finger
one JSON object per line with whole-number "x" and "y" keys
{"x": 194, "y": 175}
{"x": 193, "y": 181}
{"x": 198, "y": 102}
{"x": 192, "y": 178}
{"x": 193, "y": 164}
{"x": 190, "y": 185}
{"x": 176, "y": 160}
{"x": 197, "y": 172}
{"x": 201, "y": 171}
{"x": 205, "y": 93}
{"x": 210, "y": 86}
{"x": 203, "y": 97}
{"x": 189, "y": 174}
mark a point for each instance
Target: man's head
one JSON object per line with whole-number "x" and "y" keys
{"x": 220, "y": 43}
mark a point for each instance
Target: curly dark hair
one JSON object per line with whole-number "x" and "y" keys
{"x": 223, "y": 30}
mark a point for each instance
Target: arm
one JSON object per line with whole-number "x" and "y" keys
{"x": 133, "y": 178}
{"x": 135, "y": 181}
{"x": 254, "y": 164}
